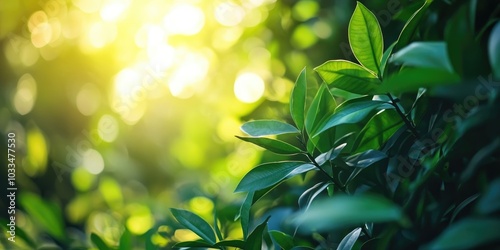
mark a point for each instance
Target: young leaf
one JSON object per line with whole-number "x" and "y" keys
{"x": 254, "y": 241}
{"x": 385, "y": 58}
{"x": 411, "y": 26}
{"x": 348, "y": 76}
{"x": 322, "y": 105}
{"x": 298, "y": 100}
{"x": 349, "y": 240}
{"x": 494, "y": 50}
{"x": 267, "y": 127}
{"x": 410, "y": 80}
{"x": 468, "y": 233}
{"x": 44, "y": 213}
{"x": 273, "y": 145}
{"x": 98, "y": 242}
{"x": 354, "y": 111}
{"x": 365, "y": 37}
{"x": 284, "y": 240}
{"x": 425, "y": 55}
{"x": 194, "y": 223}
{"x": 340, "y": 211}
{"x": 268, "y": 174}
{"x": 378, "y": 130}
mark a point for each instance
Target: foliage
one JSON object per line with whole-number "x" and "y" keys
{"x": 406, "y": 159}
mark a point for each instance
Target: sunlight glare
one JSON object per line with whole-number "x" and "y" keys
{"x": 184, "y": 19}
{"x": 25, "y": 95}
{"x": 112, "y": 10}
{"x": 249, "y": 87}
{"x": 191, "y": 70}
{"x": 229, "y": 14}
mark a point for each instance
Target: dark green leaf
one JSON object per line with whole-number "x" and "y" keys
{"x": 468, "y": 234}
{"x": 284, "y": 240}
{"x": 348, "y": 76}
{"x": 494, "y": 50}
{"x": 194, "y": 223}
{"x": 365, "y": 38}
{"x": 196, "y": 243}
{"x": 231, "y": 243}
{"x": 44, "y": 213}
{"x": 268, "y": 174}
{"x": 245, "y": 213}
{"x": 365, "y": 159}
{"x": 479, "y": 158}
{"x": 340, "y": 211}
{"x": 425, "y": 55}
{"x": 126, "y": 240}
{"x": 310, "y": 194}
{"x": 410, "y": 80}
{"x": 349, "y": 240}
{"x": 267, "y": 127}
{"x": 302, "y": 248}
{"x": 378, "y": 130}
{"x": 331, "y": 155}
{"x": 462, "y": 205}
{"x": 254, "y": 241}
{"x": 273, "y": 145}
{"x": 490, "y": 201}
{"x": 298, "y": 100}
{"x": 98, "y": 242}
{"x": 351, "y": 112}
{"x": 218, "y": 233}
{"x": 411, "y": 26}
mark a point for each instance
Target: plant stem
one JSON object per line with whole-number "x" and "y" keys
{"x": 311, "y": 158}
{"x": 403, "y": 117}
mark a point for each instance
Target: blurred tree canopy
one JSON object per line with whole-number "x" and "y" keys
{"x": 122, "y": 109}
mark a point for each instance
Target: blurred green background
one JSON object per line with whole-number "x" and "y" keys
{"x": 124, "y": 108}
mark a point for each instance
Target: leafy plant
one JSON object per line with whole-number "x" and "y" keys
{"x": 406, "y": 160}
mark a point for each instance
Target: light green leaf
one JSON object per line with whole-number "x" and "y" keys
{"x": 468, "y": 234}
{"x": 365, "y": 38}
{"x": 340, "y": 211}
{"x": 378, "y": 130}
{"x": 349, "y": 240}
{"x": 254, "y": 241}
{"x": 268, "y": 174}
{"x": 194, "y": 223}
{"x": 322, "y": 105}
{"x": 411, "y": 26}
{"x": 284, "y": 240}
{"x": 425, "y": 55}
{"x": 385, "y": 58}
{"x": 273, "y": 145}
{"x": 494, "y": 50}
{"x": 410, "y": 80}
{"x": 298, "y": 100}
{"x": 267, "y": 127}
{"x": 44, "y": 213}
{"x": 348, "y": 76}
{"x": 353, "y": 111}
{"x": 98, "y": 242}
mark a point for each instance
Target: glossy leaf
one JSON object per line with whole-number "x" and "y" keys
{"x": 467, "y": 234}
{"x": 350, "y": 113}
{"x": 267, "y": 174}
{"x": 348, "y": 76}
{"x": 267, "y": 127}
{"x": 411, "y": 26}
{"x": 298, "y": 100}
{"x": 378, "y": 130}
{"x": 194, "y": 223}
{"x": 323, "y": 104}
{"x": 410, "y": 80}
{"x": 494, "y": 50}
{"x": 273, "y": 145}
{"x": 44, "y": 213}
{"x": 310, "y": 194}
{"x": 365, "y": 38}
{"x": 425, "y": 55}
{"x": 349, "y": 240}
{"x": 254, "y": 241}
{"x": 341, "y": 211}
{"x": 284, "y": 240}
{"x": 98, "y": 242}
{"x": 365, "y": 159}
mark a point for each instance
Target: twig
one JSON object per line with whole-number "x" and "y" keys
{"x": 403, "y": 117}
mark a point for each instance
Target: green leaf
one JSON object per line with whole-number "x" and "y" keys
{"x": 494, "y": 50}
{"x": 310, "y": 194}
{"x": 365, "y": 38}
{"x": 385, "y": 58}
{"x": 351, "y": 112}
{"x": 44, "y": 213}
{"x": 267, "y": 127}
{"x": 268, "y": 174}
{"x": 411, "y": 26}
{"x": 273, "y": 145}
{"x": 284, "y": 240}
{"x": 348, "y": 76}
{"x": 322, "y": 105}
{"x": 468, "y": 233}
{"x": 254, "y": 241}
{"x": 298, "y": 100}
{"x": 410, "y": 80}
{"x": 231, "y": 243}
{"x": 349, "y": 240}
{"x": 378, "y": 130}
{"x": 218, "y": 233}
{"x": 195, "y": 244}
{"x": 340, "y": 211}
{"x": 126, "y": 240}
{"x": 98, "y": 242}
{"x": 425, "y": 55}
{"x": 194, "y": 223}
{"x": 490, "y": 201}
{"x": 365, "y": 159}
{"x": 245, "y": 213}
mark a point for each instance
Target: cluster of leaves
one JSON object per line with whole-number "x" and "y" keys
{"x": 408, "y": 157}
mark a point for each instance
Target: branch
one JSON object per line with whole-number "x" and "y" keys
{"x": 403, "y": 117}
